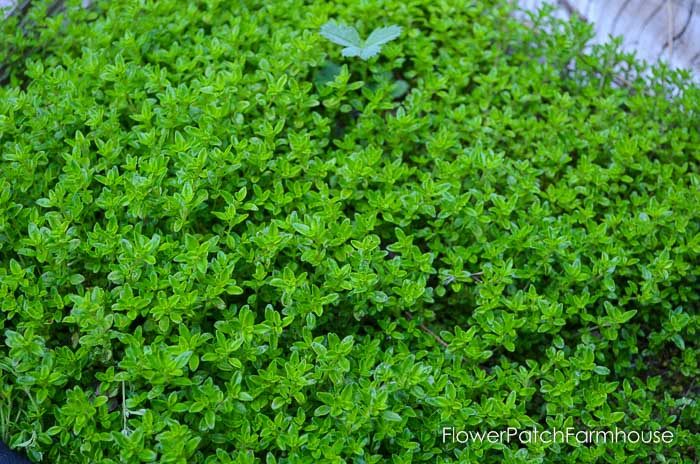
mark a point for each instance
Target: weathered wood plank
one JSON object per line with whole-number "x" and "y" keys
{"x": 7, "y": 3}
{"x": 656, "y": 30}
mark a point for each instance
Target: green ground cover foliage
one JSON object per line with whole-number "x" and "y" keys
{"x": 224, "y": 242}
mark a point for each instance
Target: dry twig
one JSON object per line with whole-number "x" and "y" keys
{"x": 425, "y": 329}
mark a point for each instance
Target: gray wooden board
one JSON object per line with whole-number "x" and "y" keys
{"x": 645, "y": 26}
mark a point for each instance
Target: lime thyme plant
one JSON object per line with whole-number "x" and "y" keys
{"x": 224, "y": 242}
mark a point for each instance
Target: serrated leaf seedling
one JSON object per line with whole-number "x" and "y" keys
{"x": 349, "y": 38}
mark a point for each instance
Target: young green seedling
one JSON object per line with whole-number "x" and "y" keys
{"x": 349, "y": 38}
